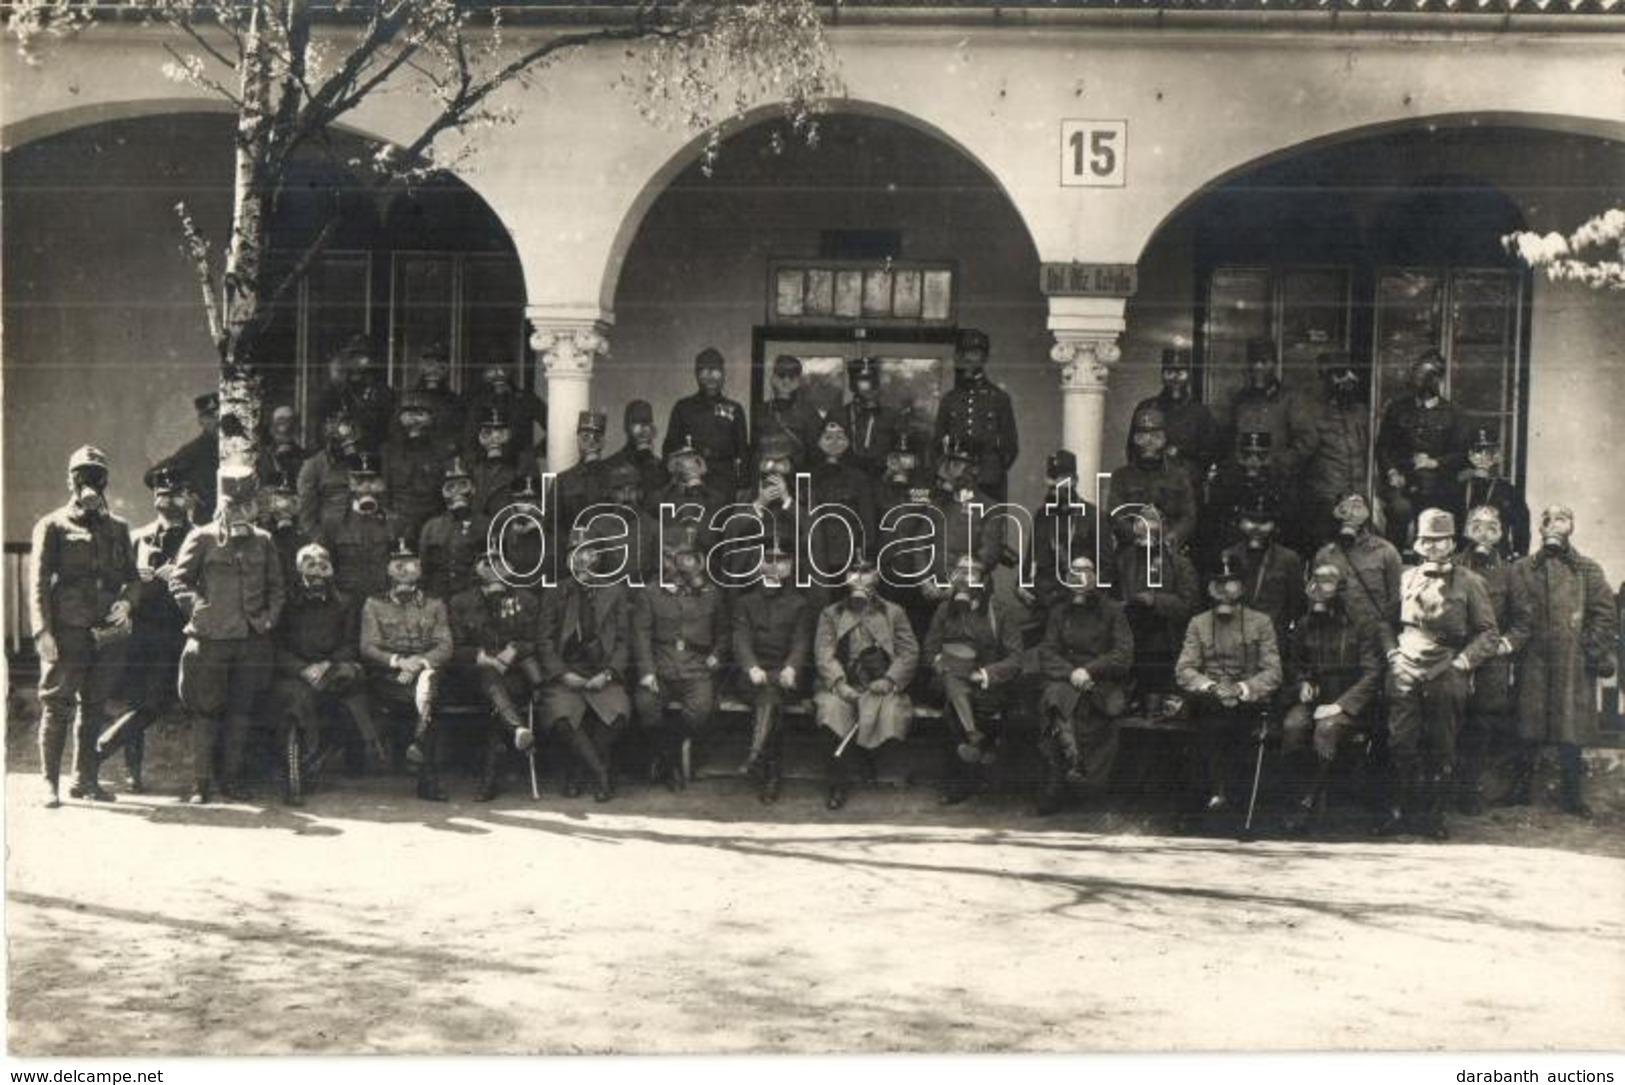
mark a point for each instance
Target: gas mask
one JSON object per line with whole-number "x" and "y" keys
{"x": 1176, "y": 382}
{"x": 1252, "y": 463}
{"x": 688, "y": 470}
{"x": 341, "y": 439}
{"x": 1484, "y": 461}
{"x": 485, "y": 572}
{"x": 1146, "y": 529}
{"x": 1080, "y": 580}
{"x": 642, "y": 434}
{"x": 860, "y": 588}
{"x": 686, "y": 569}
{"x": 833, "y": 442}
{"x": 284, "y": 426}
{"x": 589, "y": 444}
{"x": 1258, "y": 533}
{"x": 496, "y": 378}
{"x": 965, "y": 586}
{"x": 900, "y": 467}
{"x": 1484, "y": 529}
{"x": 1556, "y": 525}
{"x": 710, "y": 381}
{"x": 459, "y": 496}
{"x": 415, "y": 422}
{"x": 773, "y": 479}
{"x": 865, "y": 391}
{"x": 583, "y": 562}
{"x": 1325, "y": 582}
{"x": 1226, "y": 596}
{"x": 1435, "y": 553}
{"x": 970, "y": 369}
{"x": 279, "y": 509}
{"x": 1352, "y": 515}
{"x": 785, "y": 385}
{"x": 88, "y": 485}
{"x": 172, "y": 506}
{"x": 776, "y": 573}
{"x": 493, "y": 441}
{"x": 631, "y": 496}
{"x": 1149, "y": 445}
{"x": 237, "y": 516}
{"x": 315, "y": 568}
{"x": 404, "y": 574}
{"x": 1427, "y": 378}
{"x": 367, "y": 495}
{"x": 1260, "y": 374}
{"x": 433, "y": 374}
{"x": 1345, "y": 385}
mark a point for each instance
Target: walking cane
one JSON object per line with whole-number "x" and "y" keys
{"x": 1258, "y": 774}
{"x": 530, "y": 754}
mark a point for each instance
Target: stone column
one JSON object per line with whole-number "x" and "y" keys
{"x": 567, "y": 343}
{"x": 1086, "y": 332}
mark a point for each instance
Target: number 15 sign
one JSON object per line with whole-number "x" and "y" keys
{"x": 1094, "y": 154}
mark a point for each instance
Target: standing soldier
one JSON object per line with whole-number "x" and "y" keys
{"x": 1159, "y": 590}
{"x": 450, "y": 542}
{"x": 318, "y": 663}
{"x": 405, "y": 645}
{"x": 281, "y": 456}
{"x": 967, "y": 529}
{"x": 974, "y": 647}
{"x": 839, "y": 483}
{"x": 1421, "y": 447}
{"x": 324, "y": 480}
{"x": 1563, "y": 620}
{"x": 445, "y": 405}
{"x": 874, "y": 429}
{"x": 498, "y": 461}
{"x": 1370, "y": 565}
{"x": 865, "y": 653}
{"x": 1273, "y": 573}
{"x": 1155, "y": 477}
{"x": 493, "y": 628}
{"x": 1487, "y": 721}
{"x": 772, "y": 644}
{"x": 1328, "y": 447}
{"x": 414, "y": 464}
{"x": 360, "y": 394}
{"x": 359, "y": 540}
{"x": 1334, "y": 669}
{"x": 1244, "y": 479}
{"x": 712, "y": 424}
{"x": 1066, "y": 526}
{"x": 1261, "y": 405}
{"x": 1085, "y": 658}
{"x": 1230, "y": 667}
{"x": 1193, "y": 438}
{"x": 693, "y": 500}
{"x": 639, "y": 450}
{"x": 978, "y": 416}
{"x": 643, "y": 529}
{"x": 1448, "y": 629}
{"x": 587, "y": 483}
{"x": 775, "y": 512}
{"x": 680, "y": 633}
{"x": 583, "y": 640}
{"x": 196, "y": 462}
{"x": 279, "y": 516}
{"x": 228, "y": 579}
{"x": 787, "y": 409}
{"x": 157, "y": 628}
{"x": 1484, "y": 486}
{"x": 522, "y": 413}
{"x": 83, "y": 569}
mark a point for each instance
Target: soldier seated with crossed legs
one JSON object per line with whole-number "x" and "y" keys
{"x": 494, "y": 629}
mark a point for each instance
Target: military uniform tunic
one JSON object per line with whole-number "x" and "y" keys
{"x": 718, "y": 428}
{"x": 979, "y": 416}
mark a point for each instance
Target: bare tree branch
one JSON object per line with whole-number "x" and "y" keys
{"x": 198, "y": 249}
{"x": 184, "y": 24}
{"x": 191, "y": 73}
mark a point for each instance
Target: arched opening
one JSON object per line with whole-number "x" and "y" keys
{"x": 106, "y": 339}
{"x": 881, "y": 240}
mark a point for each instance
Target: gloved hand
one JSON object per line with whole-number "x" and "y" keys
{"x": 45, "y": 645}
{"x": 758, "y": 677}
{"x": 1307, "y": 693}
{"x": 1326, "y": 711}
{"x": 523, "y": 739}
{"x": 598, "y": 681}
{"x": 787, "y": 678}
{"x": 572, "y": 680}
{"x": 650, "y": 683}
{"x": 882, "y": 686}
{"x": 1080, "y": 678}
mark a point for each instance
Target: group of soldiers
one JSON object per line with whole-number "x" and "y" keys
{"x": 420, "y": 559}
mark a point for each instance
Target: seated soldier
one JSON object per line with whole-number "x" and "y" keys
{"x": 359, "y": 539}
{"x": 1229, "y": 667}
{"x": 584, "y": 644}
{"x": 1273, "y": 574}
{"x": 865, "y": 652}
{"x": 974, "y": 646}
{"x": 405, "y": 644}
{"x": 450, "y": 541}
{"x": 1085, "y": 657}
{"x": 772, "y": 643}
{"x": 493, "y": 628}
{"x": 680, "y": 632}
{"x": 1334, "y": 667}
{"x": 318, "y": 669}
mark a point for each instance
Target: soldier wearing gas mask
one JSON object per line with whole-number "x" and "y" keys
{"x": 493, "y": 628}
{"x": 1244, "y": 479}
{"x": 1273, "y": 573}
{"x": 1260, "y": 406}
{"x": 1334, "y": 668}
{"x": 450, "y": 541}
{"x": 680, "y": 634}
{"x": 626, "y": 495}
{"x": 281, "y": 456}
{"x": 693, "y": 500}
{"x": 1193, "y": 439}
{"x": 279, "y": 515}
{"x": 584, "y": 642}
{"x": 1330, "y": 434}
{"x": 445, "y": 405}
{"x": 406, "y": 644}
{"x": 157, "y": 628}
{"x": 1421, "y": 447}
{"x": 837, "y": 483}
{"x": 974, "y": 645}
{"x": 1230, "y": 668}
{"x": 1447, "y": 630}
{"x": 1370, "y": 565}
{"x": 360, "y": 393}
{"x": 1564, "y": 627}
{"x": 788, "y": 411}
{"x": 522, "y": 414}
{"x": 1159, "y": 590}
{"x": 318, "y": 673}
{"x": 772, "y": 646}
{"x": 1066, "y": 526}
{"x": 414, "y": 464}
{"x": 875, "y": 430}
{"x": 1487, "y": 722}
{"x": 1154, "y": 477}
{"x": 83, "y": 570}
{"x": 967, "y": 530}
{"x": 498, "y": 461}
{"x": 977, "y": 416}
{"x": 1085, "y": 658}
{"x": 587, "y": 482}
{"x": 360, "y": 538}
{"x": 639, "y": 450}
{"x": 775, "y": 514}
{"x": 865, "y": 653}
{"x": 228, "y": 580}
{"x": 1483, "y": 486}
{"x": 905, "y": 476}
{"x": 712, "y": 424}
{"x": 324, "y": 479}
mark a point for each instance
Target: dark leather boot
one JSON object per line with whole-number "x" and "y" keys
{"x": 1573, "y": 786}
{"x": 1521, "y": 790}
{"x": 490, "y": 770}
{"x": 587, "y": 754}
{"x": 428, "y": 744}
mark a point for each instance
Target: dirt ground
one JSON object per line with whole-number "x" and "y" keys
{"x": 367, "y": 922}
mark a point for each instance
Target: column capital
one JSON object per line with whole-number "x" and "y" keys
{"x": 568, "y": 339}
{"x": 1086, "y": 331}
